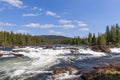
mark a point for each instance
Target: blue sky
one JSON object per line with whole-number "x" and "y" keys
{"x": 58, "y": 17}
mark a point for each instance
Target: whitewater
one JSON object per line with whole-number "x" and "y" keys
{"x": 38, "y": 62}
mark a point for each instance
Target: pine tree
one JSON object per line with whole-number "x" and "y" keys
{"x": 94, "y": 39}
{"x": 102, "y": 40}
{"x": 90, "y": 39}
{"x": 118, "y": 35}
{"x": 113, "y": 35}
{"x": 107, "y": 35}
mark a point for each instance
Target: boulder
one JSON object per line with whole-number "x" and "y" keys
{"x": 58, "y": 71}
{"x": 1, "y": 55}
{"x": 101, "y": 48}
{"x": 70, "y": 69}
{"x": 65, "y": 69}
{"x": 116, "y": 66}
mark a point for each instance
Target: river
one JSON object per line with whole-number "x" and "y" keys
{"x": 38, "y": 62}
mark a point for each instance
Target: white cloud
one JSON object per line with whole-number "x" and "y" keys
{"x": 64, "y": 21}
{"x": 84, "y": 29}
{"x": 80, "y": 23}
{"x": 2, "y": 24}
{"x": 67, "y": 26}
{"x": 37, "y": 25}
{"x": 29, "y": 14}
{"x": 50, "y": 13}
{"x": 52, "y": 32}
{"x": 36, "y": 8}
{"x": 21, "y": 31}
{"x": 16, "y": 3}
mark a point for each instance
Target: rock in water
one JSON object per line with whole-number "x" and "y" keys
{"x": 1, "y": 55}
{"x": 116, "y": 66}
{"x": 65, "y": 69}
{"x": 101, "y": 48}
{"x": 18, "y": 55}
{"x": 58, "y": 71}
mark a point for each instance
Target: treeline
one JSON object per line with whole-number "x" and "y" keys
{"x": 111, "y": 37}
{"x": 14, "y": 39}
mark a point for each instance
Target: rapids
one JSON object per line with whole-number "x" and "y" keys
{"x": 37, "y": 61}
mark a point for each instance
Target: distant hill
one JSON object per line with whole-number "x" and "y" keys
{"x": 55, "y": 37}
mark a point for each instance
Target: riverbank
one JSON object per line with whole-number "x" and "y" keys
{"x": 107, "y": 72}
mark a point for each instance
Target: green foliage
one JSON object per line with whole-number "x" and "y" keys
{"x": 111, "y": 37}
{"x": 90, "y": 39}
{"x": 12, "y": 39}
{"x": 101, "y": 39}
{"x": 94, "y": 39}
{"x": 106, "y": 77}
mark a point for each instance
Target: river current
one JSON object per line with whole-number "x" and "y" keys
{"x": 38, "y": 62}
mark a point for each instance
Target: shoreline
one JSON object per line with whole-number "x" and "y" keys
{"x": 109, "y": 72}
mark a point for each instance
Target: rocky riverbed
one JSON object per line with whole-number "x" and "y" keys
{"x": 58, "y": 63}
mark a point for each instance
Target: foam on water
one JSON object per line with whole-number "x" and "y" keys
{"x": 115, "y": 50}
{"x": 38, "y": 60}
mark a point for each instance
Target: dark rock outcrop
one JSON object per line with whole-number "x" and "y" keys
{"x": 58, "y": 71}
{"x": 112, "y": 72}
{"x": 101, "y": 48}
{"x": 62, "y": 70}
{"x": 116, "y": 66}
{"x": 69, "y": 68}
{"x": 1, "y": 55}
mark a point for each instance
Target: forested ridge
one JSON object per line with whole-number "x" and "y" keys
{"x": 111, "y": 37}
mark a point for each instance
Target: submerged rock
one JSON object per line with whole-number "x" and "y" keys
{"x": 65, "y": 69}
{"x": 73, "y": 51}
{"x": 58, "y": 71}
{"x": 65, "y": 73}
{"x": 48, "y": 47}
{"x": 18, "y": 55}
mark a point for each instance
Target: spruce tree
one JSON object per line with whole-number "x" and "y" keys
{"x": 94, "y": 39}
{"x": 90, "y": 39}
{"x": 107, "y": 35}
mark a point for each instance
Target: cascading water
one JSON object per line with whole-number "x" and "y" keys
{"x": 38, "y": 61}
